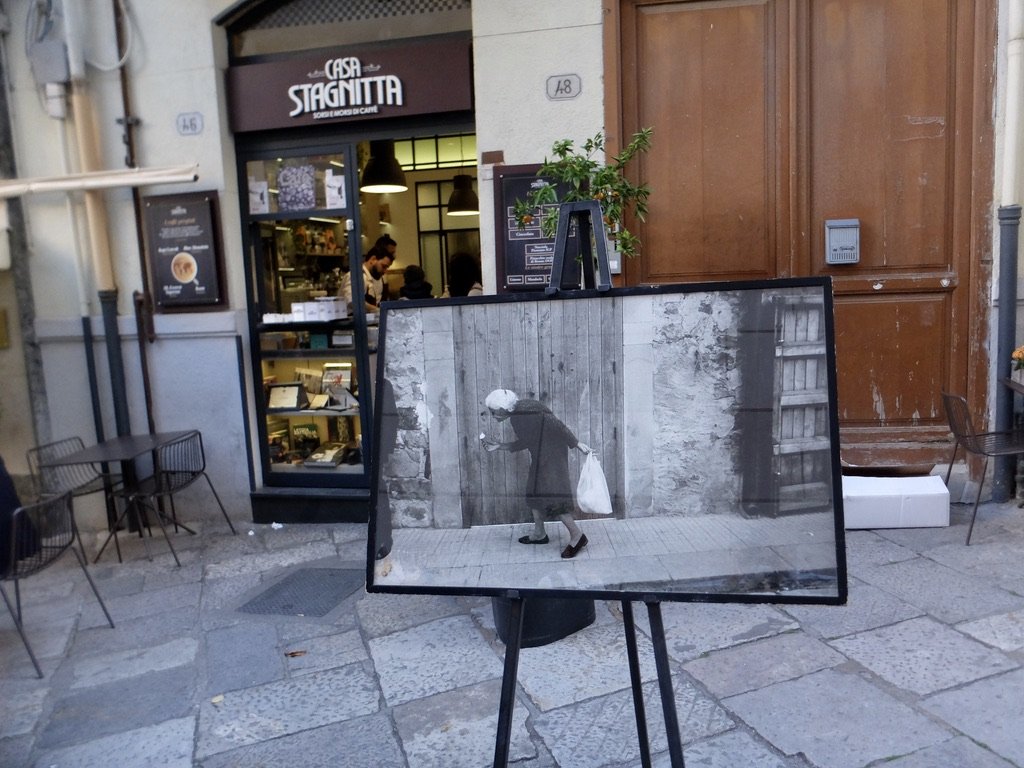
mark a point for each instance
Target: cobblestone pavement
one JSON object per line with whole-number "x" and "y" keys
{"x": 923, "y": 667}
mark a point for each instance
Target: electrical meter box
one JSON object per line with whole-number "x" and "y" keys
{"x": 842, "y": 241}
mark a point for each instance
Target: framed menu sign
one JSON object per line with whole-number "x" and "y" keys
{"x": 524, "y": 256}
{"x": 183, "y": 241}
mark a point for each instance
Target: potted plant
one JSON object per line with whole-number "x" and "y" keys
{"x": 579, "y": 175}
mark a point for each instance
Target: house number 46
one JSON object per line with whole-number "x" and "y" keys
{"x": 190, "y": 123}
{"x": 564, "y": 87}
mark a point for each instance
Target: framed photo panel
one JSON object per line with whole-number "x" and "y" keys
{"x": 709, "y": 408}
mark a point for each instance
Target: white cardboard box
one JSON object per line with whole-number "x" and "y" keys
{"x": 895, "y": 502}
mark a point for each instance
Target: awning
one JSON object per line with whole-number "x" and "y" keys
{"x": 74, "y": 182}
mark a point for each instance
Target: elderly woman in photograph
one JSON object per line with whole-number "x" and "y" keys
{"x": 548, "y": 489}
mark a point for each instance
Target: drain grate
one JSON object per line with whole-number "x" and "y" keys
{"x": 307, "y": 592}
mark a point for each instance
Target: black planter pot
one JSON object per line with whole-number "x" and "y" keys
{"x": 545, "y": 619}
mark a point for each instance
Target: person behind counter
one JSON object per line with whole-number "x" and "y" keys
{"x": 377, "y": 261}
{"x": 464, "y": 277}
{"x": 416, "y": 285}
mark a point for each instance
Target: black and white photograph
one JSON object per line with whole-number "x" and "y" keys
{"x": 674, "y": 441}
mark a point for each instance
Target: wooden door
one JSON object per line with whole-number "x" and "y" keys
{"x": 771, "y": 117}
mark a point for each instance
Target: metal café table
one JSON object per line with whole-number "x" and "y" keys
{"x": 124, "y": 449}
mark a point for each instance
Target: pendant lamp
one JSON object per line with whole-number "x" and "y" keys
{"x": 463, "y": 200}
{"x": 382, "y": 172}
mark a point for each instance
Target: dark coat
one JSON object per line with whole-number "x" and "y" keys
{"x": 548, "y": 440}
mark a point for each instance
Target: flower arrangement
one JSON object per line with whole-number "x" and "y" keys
{"x": 1018, "y": 358}
{"x": 589, "y": 179}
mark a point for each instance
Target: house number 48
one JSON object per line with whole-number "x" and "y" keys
{"x": 564, "y": 87}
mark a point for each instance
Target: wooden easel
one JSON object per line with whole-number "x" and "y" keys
{"x": 584, "y": 213}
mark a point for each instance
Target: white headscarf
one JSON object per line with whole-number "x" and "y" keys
{"x": 501, "y": 399}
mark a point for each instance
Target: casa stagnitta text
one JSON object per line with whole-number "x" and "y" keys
{"x": 346, "y": 92}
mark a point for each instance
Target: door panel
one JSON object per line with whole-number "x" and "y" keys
{"x": 705, "y": 73}
{"x": 771, "y": 117}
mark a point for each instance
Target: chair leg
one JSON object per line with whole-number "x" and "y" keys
{"x": 16, "y": 615}
{"x": 952, "y": 459}
{"x": 113, "y": 534}
{"x": 92, "y": 584}
{"x": 222, "y": 510}
{"x": 160, "y": 522}
{"x": 977, "y": 498}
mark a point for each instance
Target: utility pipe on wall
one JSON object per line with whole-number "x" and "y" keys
{"x": 1009, "y": 227}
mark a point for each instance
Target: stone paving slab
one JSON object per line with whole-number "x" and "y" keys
{"x": 120, "y": 665}
{"x": 732, "y": 749}
{"x": 284, "y": 707}
{"x": 1005, "y": 631}
{"x": 22, "y": 707}
{"x": 325, "y": 652}
{"x": 693, "y": 629}
{"x": 589, "y": 663}
{"x": 946, "y": 594}
{"x": 959, "y": 753}
{"x": 457, "y": 729}
{"x": 381, "y": 613}
{"x": 865, "y": 548}
{"x": 602, "y": 731}
{"x": 837, "y": 720}
{"x": 163, "y": 745}
{"x": 923, "y": 656}
{"x": 242, "y": 656}
{"x": 364, "y": 742}
{"x": 122, "y": 705}
{"x": 867, "y": 607}
{"x": 437, "y": 656}
{"x": 988, "y": 711}
{"x": 762, "y": 663}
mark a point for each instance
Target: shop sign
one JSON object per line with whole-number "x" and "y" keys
{"x": 524, "y": 256}
{"x": 182, "y": 244}
{"x": 357, "y": 83}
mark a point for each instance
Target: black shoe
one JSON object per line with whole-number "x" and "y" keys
{"x": 573, "y": 549}
{"x": 528, "y": 540}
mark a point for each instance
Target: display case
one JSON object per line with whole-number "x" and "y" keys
{"x": 311, "y": 359}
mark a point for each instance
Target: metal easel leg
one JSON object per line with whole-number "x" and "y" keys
{"x": 508, "y": 682}
{"x": 635, "y": 679}
{"x": 668, "y": 699}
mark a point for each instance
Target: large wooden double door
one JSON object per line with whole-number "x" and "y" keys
{"x": 771, "y": 117}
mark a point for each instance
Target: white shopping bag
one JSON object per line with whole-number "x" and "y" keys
{"x": 592, "y": 490}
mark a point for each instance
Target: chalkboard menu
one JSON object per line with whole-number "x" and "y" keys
{"x": 523, "y": 256}
{"x": 184, "y": 257}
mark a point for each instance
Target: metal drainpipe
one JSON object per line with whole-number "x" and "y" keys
{"x": 141, "y": 299}
{"x": 1009, "y": 231}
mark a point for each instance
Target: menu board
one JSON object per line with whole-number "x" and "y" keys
{"x": 184, "y": 258}
{"x": 524, "y": 256}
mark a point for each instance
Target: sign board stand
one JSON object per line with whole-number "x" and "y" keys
{"x": 584, "y": 213}
{"x": 503, "y": 736}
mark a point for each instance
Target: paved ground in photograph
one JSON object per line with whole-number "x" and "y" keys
{"x": 264, "y": 649}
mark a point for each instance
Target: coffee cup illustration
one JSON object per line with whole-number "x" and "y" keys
{"x": 184, "y": 267}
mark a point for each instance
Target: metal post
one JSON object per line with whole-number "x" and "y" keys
{"x": 108, "y": 303}
{"x": 1009, "y": 232}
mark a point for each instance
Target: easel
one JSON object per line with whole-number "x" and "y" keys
{"x": 584, "y": 213}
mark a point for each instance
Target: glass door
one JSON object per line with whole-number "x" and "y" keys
{"x": 310, "y": 358}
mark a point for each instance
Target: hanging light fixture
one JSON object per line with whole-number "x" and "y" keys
{"x": 382, "y": 172}
{"x": 463, "y": 200}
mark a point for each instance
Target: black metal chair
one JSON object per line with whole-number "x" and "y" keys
{"x": 80, "y": 479}
{"x": 177, "y": 466}
{"x": 1007, "y": 443}
{"x": 36, "y": 536}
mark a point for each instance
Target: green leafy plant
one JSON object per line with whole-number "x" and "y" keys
{"x": 588, "y": 178}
